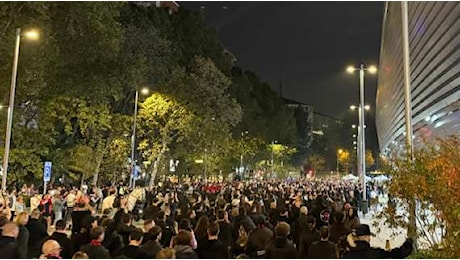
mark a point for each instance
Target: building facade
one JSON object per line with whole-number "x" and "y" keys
{"x": 434, "y": 43}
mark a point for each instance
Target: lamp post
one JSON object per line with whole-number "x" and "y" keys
{"x": 31, "y": 35}
{"x": 339, "y": 152}
{"x": 361, "y": 131}
{"x": 132, "y": 181}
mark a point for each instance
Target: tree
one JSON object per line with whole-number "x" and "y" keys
{"x": 345, "y": 160}
{"x": 369, "y": 159}
{"x": 433, "y": 179}
{"x": 315, "y": 162}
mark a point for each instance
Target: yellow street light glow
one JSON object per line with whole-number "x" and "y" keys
{"x": 353, "y": 126}
{"x": 353, "y": 107}
{"x": 350, "y": 69}
{"x": 33, "y": 35}
{"x": 145, "y": 91}
{"x": 367, "y": 107}
{"x": 372, "y": 69}
{"x": 340, "y": 151}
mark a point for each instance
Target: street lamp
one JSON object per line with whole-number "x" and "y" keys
{"x": 33, "y": 35}
{"x": 132, "y": 181}
{"x": 339, "y": 152}
{"x": 361, "y": 131}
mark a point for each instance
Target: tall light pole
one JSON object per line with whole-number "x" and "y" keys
{"x": 273, "y": 158}
{"x": 31, "y": 35}
{"x": 339, "y": 152}
{"x": 132, "y": 181}
{"x": 361, "y": 131}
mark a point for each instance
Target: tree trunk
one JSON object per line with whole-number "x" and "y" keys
{"x": 155, "y": 166}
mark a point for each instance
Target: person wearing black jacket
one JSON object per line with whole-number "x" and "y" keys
{"x": 37, "y": 234}
{"x": 323, "y": 249}
{"x": 95, "y": 249}
{"x": 213, "y": 248}
{"x": 225, "y": 233}
{"x": 132, "y": 250}
{"x": 153, "y": 246}
{"x": 61, "y": 237}
{"x": 112, "y": 240}
{"x": 182, "y": 246}
{"x": 308, "y": 236}
{"x": 281, "y": 247}
{"x": 259, "y": 239}
{"x": 9, "y": 248}
{"x": 360, "y": 247}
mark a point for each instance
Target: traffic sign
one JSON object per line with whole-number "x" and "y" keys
{"x": 47, "y": 171}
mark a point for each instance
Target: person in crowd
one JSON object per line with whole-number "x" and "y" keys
{"x": 61, "y": 237}
{"x": 46, "y": 207}
{"x": 132, "y": 250}
{"x": 23, "y": 238}
{"x": 58, "y": 206}
{"x": 80, "y": 255}
{"x": 308, "y": 237}
{"x": 200, "y": 230}
{"x": 281, "y": 247}
{"x": 182, "y": 246}
{"x": 166, "y": 253}
{"x": 300, "y": 224}
{"x": 70, "y": 203}
{"x": 95, "y": 249}
{"x": 323, "y": 249}
{"x": 148, "y": 225}
{"x": 125, "y": 228}
{"x": 352, "y": 219}
{"x": 259, "y": 239}
{"x": 360, "y": 247}
{"x": 225, "y": 233}
{"x": 20, "y": 205}
{"x": 79, "y": 213}
{"x": 185, "y": 225}
{"x": 9, "y": 248}
{"x": 212, "y": 248}
{"x": 51, "y": 250}
{"x": 84, "y": 236}
{"x": 113, "y": 241}
{"x": 243, "y": 220}
{"x": 153, "y": 246}
{"x": 37, "y": 234}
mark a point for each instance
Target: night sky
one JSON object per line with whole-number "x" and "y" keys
{"x": 305, "y": 45}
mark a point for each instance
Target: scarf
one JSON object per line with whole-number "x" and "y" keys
{"x": 95, "y": 242}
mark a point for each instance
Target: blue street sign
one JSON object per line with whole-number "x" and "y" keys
{"x": 47, "y": 171}
{"x": 136, "y": 172}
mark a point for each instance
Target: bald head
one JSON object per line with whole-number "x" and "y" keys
{"x": 10, "y": 229}
{"x": 51, "y": 247}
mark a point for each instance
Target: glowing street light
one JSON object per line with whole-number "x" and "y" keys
{"x": 339, "y": 152}
{"x": 361, "y": 132}
{"x": 33, "y": 35}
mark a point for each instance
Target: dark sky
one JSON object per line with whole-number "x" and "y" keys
{"x": 307, "y": 45}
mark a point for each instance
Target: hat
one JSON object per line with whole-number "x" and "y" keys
{"x": 363, "y": 230}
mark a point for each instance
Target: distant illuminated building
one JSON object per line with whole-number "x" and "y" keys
{"x": 434, "y": 41}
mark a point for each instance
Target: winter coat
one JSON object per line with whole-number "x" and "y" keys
{"x": 37, "y": 234}
{"x": 363, "y": 250}
{"x": 23, "y": 241}
{"x": 185, "y": 252}
{"x": 322, "y": 250}
{"x": 258, "y": 241}
{"x": 213, "y": 249}
{"x": 9, "y": 248}
{"x": 151, "y": 248}
{"x": 134, "y": 252}
{"x": 307, "y": 238}
{"x": 95, "y": 252}
{"x": 66, "y": 244}
{"x": 281, "y": 248}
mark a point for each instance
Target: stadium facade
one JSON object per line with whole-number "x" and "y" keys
{"x": 434, "y": 43}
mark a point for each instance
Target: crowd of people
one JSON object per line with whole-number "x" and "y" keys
{"x": 266, "y": 219}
